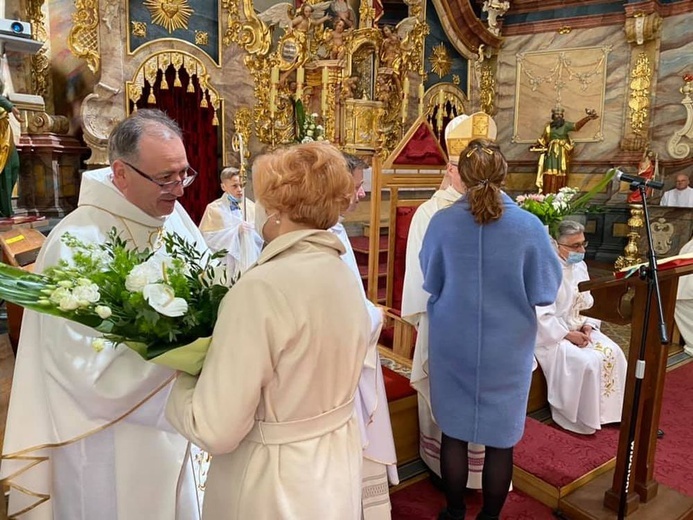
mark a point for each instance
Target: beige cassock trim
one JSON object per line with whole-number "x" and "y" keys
{"x": 36, "y": 460}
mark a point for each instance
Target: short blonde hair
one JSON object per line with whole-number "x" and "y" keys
{"x": 229, "y": 173}
{"x": 310, "y": 183}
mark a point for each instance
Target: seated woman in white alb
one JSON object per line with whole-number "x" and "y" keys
{"x": 227, "y": 224}
{"x": 683, "y": 313}
{"x": 585, "y": 371}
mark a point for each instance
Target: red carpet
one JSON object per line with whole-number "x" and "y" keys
{"x": 422, "y": 501}
{"x": 674, "y": 455}
{"x": 560, "y": 457}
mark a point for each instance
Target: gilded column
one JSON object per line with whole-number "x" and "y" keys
{"x": 642, "y": 32}
{"x": 41, "y": 83}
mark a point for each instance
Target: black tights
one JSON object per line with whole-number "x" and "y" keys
{"x": 495, "y": 479}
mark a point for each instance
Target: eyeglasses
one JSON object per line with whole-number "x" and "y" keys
{"x": 575, "y": 247}
{"x": 188, "y": 177}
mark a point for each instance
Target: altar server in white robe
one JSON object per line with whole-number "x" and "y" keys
{"x": 379, "y": 457}
{"x": 683, "y": 313}
{"x": 458, "y": 133}
{"x": 227, "y": 224}
{"x": 86, "y": 434}
{"x": 585, "y": 370}
{"x": 274, "y": 403}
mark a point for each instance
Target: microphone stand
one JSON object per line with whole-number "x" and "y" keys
{"x": 650, "y": 274}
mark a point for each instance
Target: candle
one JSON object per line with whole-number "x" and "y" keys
{"x": 441, "y": 98}
{"x": 323, "y": 103}
{"x": 325, "y": 76}
{"x": 405, "y": 88}
{"x": 300, "y": 76}
{"x": 405, "y": 103}
{"x": 422, "y": 91}
{"x": 274, "y": 77}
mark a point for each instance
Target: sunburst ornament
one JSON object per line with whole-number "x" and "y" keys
{"x": 172, "y": 15}
{"x": 441, "y": 61}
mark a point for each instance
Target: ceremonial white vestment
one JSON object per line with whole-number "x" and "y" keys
{"x": 414, "y": 301}
{"x": 224, "y": 227}
{"x": 683, "y": 312}
{"x": 380, "y": 459}
{"x": 86, "y": 435}
{"x": 678, "y": 198}
{"x": 274, "y": 401}
{"x": 585, "y": 384}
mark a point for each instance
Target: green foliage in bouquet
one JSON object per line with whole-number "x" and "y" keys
{"x": 307, "y": 127}
{"x": 152, "y": 301}
{"x": 551, "y": 209}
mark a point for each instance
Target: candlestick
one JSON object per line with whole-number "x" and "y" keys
{"x": 325, "y": 76}
{"x": 405, "y": 87}
{"x": 421, "y": 97}
{"x": 274, "y": 75}
{"x": 300, "y": 76}
{"x": 441, "y": 99}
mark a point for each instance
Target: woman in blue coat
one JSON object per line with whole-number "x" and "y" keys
{"x": 487, "y": 264}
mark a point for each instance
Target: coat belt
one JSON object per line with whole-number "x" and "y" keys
{"x": 303, "y": 429}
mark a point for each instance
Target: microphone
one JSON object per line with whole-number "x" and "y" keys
{"x": 636, "y": 180}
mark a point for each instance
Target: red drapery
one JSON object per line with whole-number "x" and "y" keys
{"x": 200, "y": 135}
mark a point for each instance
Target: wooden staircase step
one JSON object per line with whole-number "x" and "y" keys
{"x": 383, "y": 228}
{"x": 360, "y": 244}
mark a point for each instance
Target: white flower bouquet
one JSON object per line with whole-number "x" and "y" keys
{"x": 161, "y": 304}
{"x": 308, "y": 128}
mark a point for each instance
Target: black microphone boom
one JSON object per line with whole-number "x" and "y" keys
{"x": 636, "y": 180}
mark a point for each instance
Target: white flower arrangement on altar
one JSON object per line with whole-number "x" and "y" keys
{"x": 163, "y": 304}
{"x": 307, "y": 127}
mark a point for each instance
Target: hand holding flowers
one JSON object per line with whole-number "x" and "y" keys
{"x": 162, "y": 304}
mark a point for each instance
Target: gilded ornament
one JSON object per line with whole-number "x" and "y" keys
{"x": 440, "y": 60}
{"x": 171, "y": 15}
{"x": 83, "y": 39}
{"x": 639, "y": 97}
{"x": 487, "y": 91}
{"x": 138, "y": 29}
{"x": 40, "y": 62}
{"x": 565, "y": 29}
{"x": 201, "y": 38}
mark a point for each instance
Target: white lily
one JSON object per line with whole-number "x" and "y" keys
{"x": 142, "y": 275}
{"x": 163, "y": 299}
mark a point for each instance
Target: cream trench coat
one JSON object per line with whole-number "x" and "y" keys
{"x": 274, "y": 401}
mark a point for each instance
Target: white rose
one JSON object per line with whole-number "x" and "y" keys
{"x": 103, "y": 312}
{"x": 163, "y": 299}
{"x": 314, "y": 115}
{"x": 60, "y": 293}
{"x": 88, "y": 293}
{"x": 68, "y": 303}
{"x": 98, "y": 344}
{"x": 320, "y": 138}
{"x": 309, "y": 133}
{"x": 142, "y": 275}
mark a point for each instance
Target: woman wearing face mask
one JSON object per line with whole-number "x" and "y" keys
{"x": 585, "y": 371}
{"x": 274, "y": 401}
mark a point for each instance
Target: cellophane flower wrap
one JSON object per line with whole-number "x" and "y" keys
{"x": 163, "y": 304}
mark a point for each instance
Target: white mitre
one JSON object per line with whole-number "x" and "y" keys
{"x": 462, "y": 129}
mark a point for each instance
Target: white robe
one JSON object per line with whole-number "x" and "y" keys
{"x": 678, "y": 198}
{"x": 93, "y": 423}
{"x": 683, "y": 313}
{"x": 233, "y": 230}
{"x": 380, "y": 459}
{"x": 414, "y": 300}
{"x": 585, "y": 385}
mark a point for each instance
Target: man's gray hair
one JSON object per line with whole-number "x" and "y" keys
{"x": 567, "y": 228}
{"x": 124, "y": 141}
{"x": 354, "y": 162}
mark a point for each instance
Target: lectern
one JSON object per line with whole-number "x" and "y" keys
{"x": 623, "y": 301}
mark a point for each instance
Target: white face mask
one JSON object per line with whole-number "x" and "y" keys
{"x": 261, "y": 219}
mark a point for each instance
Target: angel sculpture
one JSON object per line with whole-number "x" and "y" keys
{"x": 342, "y": 12}
{"x": 304, "y": 19}
{"x": 336, "y": 40}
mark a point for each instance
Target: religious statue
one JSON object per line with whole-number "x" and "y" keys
{"x": 390, "y": 49}
{"x": 556, "y": 147}
{"x": 9, "y": 158}
{"x": 495, "y": 10}
{"x": 647, "y": 169}
{"x": 350, "y": 87}
{"x": 342, "y": 12}
{"x": 336, "y": 40}
{"x": 304, "y": 19}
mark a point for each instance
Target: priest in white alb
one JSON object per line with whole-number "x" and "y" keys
{"x": 683, "y": 312}
{"x": 379, "y": 457}
{"x": 86, "y": 434}
{"x": 458, "y": 133}
{"x": 585, "y": 370}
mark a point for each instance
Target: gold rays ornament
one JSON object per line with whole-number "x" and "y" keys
{"x": 440, "y": 60}
{"x": 172, "y": 15}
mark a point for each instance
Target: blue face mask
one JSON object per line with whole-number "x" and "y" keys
{"x": 575, "y": 258}
{"x": 232, "y": 198}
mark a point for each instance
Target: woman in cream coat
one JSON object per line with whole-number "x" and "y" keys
{"x": 274, "y": 401}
